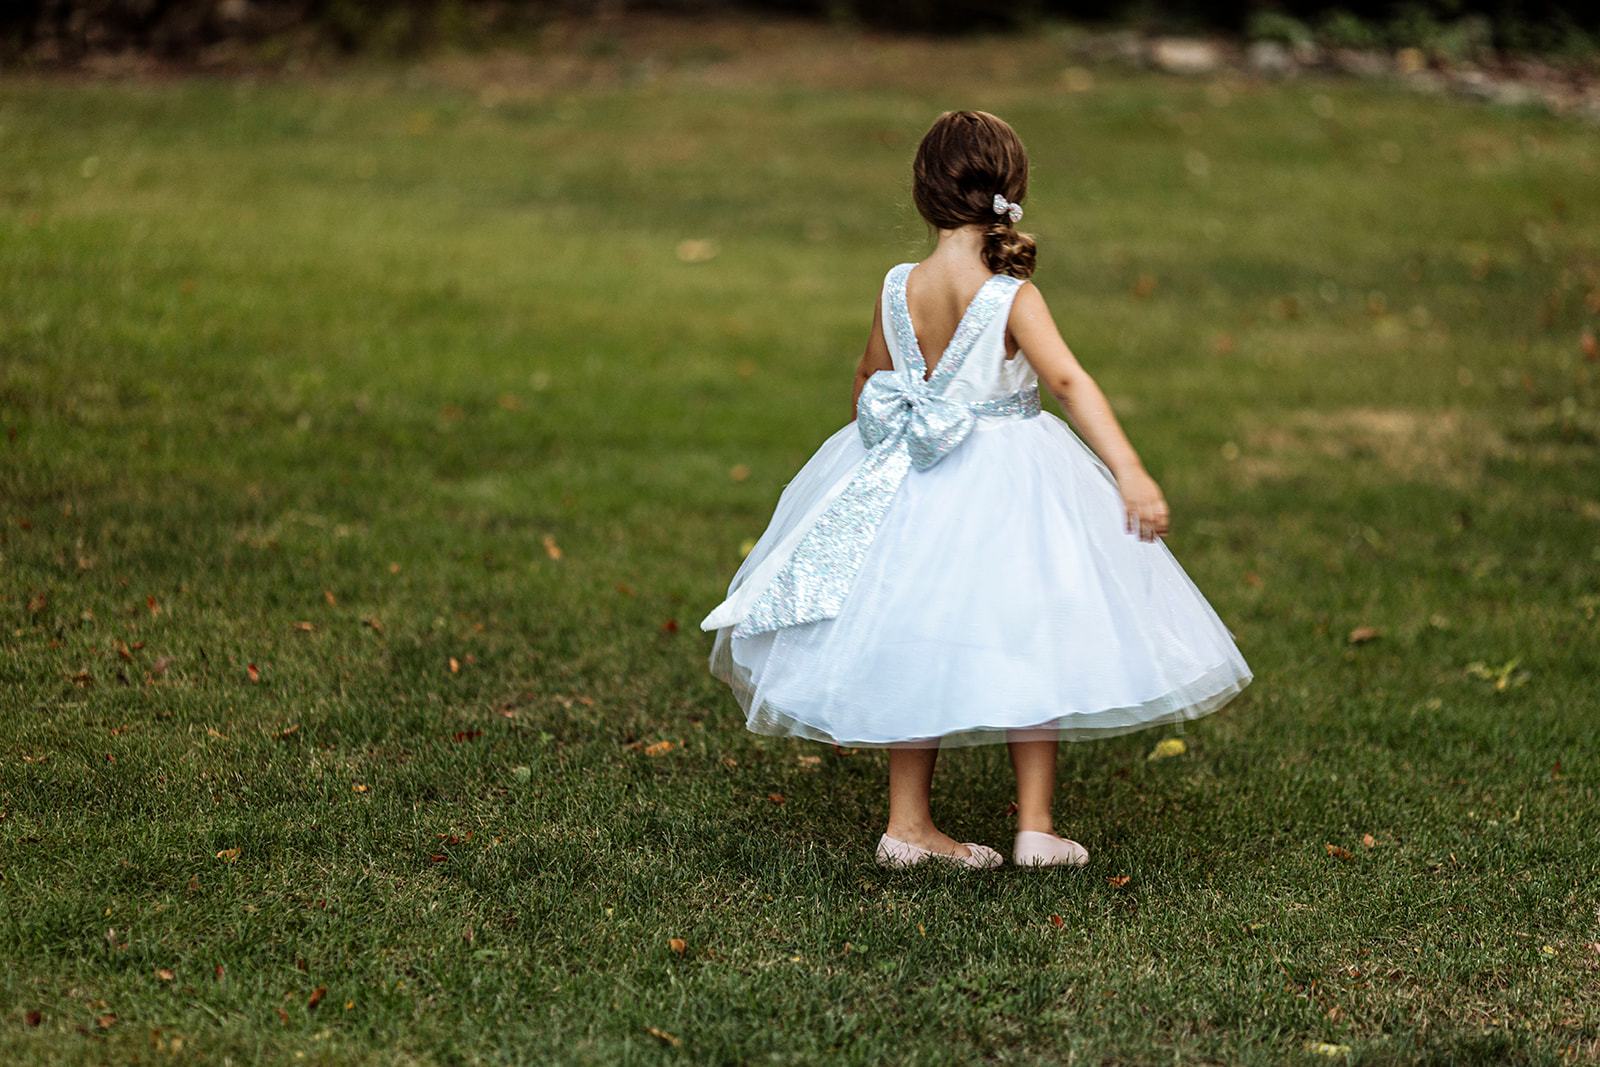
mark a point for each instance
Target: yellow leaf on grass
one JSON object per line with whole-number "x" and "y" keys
{"x": 696, "y": 251}
{"x": 551, "y": 549}
{"x": 228, "y": 855}
{"x": 678, "y": 945}
{"x": 1326, "y": 1048}
{"x": 663, "y": 1036}
{"x": 1168, "y": 747}
{"x": 660, "y": 748}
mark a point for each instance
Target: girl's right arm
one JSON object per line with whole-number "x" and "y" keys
{"x": 874, "y": 359}
{"x": 1036, "y": 335}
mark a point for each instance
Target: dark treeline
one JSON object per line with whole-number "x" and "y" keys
{"x": 65, "y": 30}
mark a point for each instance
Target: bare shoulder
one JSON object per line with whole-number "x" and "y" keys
{"x": 1028, "y": 307}
{"x": 1029, "y": 298}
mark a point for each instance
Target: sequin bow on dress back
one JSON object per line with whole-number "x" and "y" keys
{"x": 907, "y": 419}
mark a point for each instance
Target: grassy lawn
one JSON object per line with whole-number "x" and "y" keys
{"x": 374, "y": 444}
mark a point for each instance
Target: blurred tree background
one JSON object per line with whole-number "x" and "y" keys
{"x": 67, "y": 30}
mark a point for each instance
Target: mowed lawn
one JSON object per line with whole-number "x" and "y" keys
{"x": 374, "y": 443}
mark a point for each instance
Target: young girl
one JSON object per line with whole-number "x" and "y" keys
{"x": 956, "y": 567}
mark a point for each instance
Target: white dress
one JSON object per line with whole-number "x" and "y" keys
{"x": 954, "y": 566}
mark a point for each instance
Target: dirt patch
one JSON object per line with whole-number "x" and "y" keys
{"x": 1448, "y": 447}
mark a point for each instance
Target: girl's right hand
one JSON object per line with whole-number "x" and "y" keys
{"x": 1144, "y": 506}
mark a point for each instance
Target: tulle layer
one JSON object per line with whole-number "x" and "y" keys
{"x": 1000, "y": 595}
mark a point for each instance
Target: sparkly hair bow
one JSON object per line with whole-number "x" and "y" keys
{"x": 1002, "y": 206}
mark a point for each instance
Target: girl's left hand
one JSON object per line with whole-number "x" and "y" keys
{"x": 1145, "y": 507}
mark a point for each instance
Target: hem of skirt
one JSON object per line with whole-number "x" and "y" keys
{"x": 1208, "y": 692}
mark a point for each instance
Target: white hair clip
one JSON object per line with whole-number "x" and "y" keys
{"x": 1002, "y": 206}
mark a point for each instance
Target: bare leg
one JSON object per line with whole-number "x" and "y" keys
{"x": 1035, "y": 764}
{"x": 910, "y": 815}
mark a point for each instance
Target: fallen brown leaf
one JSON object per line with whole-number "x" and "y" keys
{"x": 1338, "y": 853}
{"x": 253, "y": 672}
{"x": 228, "y": 855}
{"x": 662, "y": 1036}
{"x": 316, "y": 996}
{"x": 660, "y": 748}
{"x": 1057, "y": 921}
{"x": 1117, "y": 881}
{"x": 332, "y": 601}
{"x": 165, "y": 974}
{"x": 678, "y": 945}
{"x": 305, "y": 627}
{"x": 1362, "y": 634}
{"x": 551, "y": 549}
{"x": 106, "y": 1021}
{"x": 455, "y": 665}
{"x": 1368, "y": 840}
{"x": 776, "y": 798}
{"x": 33, "y": 1017}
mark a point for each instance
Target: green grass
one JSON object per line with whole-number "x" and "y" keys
{"x": 352, "y": 351}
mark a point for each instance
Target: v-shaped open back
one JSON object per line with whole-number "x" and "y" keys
{"x": 966, "y": 316}
{"x": 989, "y": 305}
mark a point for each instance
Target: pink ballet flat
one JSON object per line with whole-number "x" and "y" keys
{"x": 1034, "y": 848}
{"x": 893, "y": 852}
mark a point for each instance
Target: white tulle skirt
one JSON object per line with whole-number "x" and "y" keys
{"x": 1001, "y": 599}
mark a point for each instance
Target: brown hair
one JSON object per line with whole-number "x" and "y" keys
{"x": 964, "y": 159}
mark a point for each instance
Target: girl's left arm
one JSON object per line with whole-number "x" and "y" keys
{"x": 1034, "y": 330}
{"x": 874, "y": 359}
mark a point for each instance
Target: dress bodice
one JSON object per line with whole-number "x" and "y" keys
{"x": 974, "y": 367}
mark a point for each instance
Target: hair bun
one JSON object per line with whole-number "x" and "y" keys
{"x": 1008, "y": 251}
